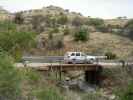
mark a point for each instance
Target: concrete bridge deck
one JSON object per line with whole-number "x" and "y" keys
{"x": 70, "y": 67}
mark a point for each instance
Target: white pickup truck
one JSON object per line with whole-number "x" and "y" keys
{"x": 78, "y": 58}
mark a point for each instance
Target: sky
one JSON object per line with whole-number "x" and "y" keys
{"x": 95, "y": 8}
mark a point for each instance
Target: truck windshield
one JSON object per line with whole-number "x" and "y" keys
{"x": 77, "y": 54}
{"x": 82, "y": 54}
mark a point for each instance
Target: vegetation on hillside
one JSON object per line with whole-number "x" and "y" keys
{"x": 19, "y": 19}
{"x": 99, "y": 24}
{"x": 62, "y": 32}
{"x": 15, "y": 42}
{"x": 129, "y": 29}
{"x": 9, "y": 79}
{"x": 81, "y": 35}
{"x": 7, "y": 26}
{"x": 127, "y": 94}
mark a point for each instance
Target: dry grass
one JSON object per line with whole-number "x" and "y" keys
{"x": 120, "y": 22}
{"x": 101, "y": 43}
{"x": 98, "y": 44}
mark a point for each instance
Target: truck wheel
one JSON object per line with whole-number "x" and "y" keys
{"x": 91, "y": 61}
{"x": 69, "y": 62}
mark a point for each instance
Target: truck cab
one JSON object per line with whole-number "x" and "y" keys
{"x": 78, "y": 58}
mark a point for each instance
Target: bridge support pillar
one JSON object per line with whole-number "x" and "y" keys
{"x": 93, "y": 77}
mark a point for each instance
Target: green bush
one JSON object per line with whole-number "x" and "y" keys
{"x": 62, "y": 19}
{"x": 128, "y": 93}
{"x": 93, "y": 96}
{"x": 77, "y": 21}
{"x": 31, "y": 76}
{"x": 98, "y": 24}
{"x": 59, "y": 44}
{"x": 16, "y": 42}
{"x": 7, "y": 26}
{"x": 19, "y": 19}
{"x": 66, "y": 31}
{"x": 9, "y": 79}
{"x": 95, "y": 21}
{"x": 37, "y": 22}
{"x": 110, "y": 55}
{"x": 50, "y": 36}
{"x": 54, "y": 30}
{"x": 81, "y": 35}
{"x": 129, "y": 29}
{"x": 49, "y": 94}
{"x": 102, "y": 28}
{"x": 55, "y": 43}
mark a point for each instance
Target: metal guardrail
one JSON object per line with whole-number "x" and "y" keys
{"x": 44, "y": 59}
{"x": 60, "y": 59}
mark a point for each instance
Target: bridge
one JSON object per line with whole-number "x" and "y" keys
{"x": 92, "y": 71}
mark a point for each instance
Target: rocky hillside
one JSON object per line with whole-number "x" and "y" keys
{"x": 56, "y": 29}
{"x": 5, "y": 15}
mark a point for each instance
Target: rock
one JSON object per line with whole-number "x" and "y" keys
{"x": 112, "y": 97}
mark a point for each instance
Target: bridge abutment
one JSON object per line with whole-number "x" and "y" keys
{"x": 93, "y": 77}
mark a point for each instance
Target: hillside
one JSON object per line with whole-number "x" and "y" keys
{"x": 98, "y": 44}
{"x": 63, "y": 24}
{"x": 54, "y": 31}
{"x": 5, "y": 15}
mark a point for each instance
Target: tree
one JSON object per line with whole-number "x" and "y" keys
{"x": 95, "y": 21}
{"x": 9, "y": 79}
{"x": 98, "y": 24}
{"x": 37, "y": 23}
{"x": 110, "y": 55}
{"x": 77, "y": 21}
{"x": 50, "y": 36}
{"x": 54, "y": 30}
{"x": 81, "y": 35}
{"x": 16, "y": 42}
{"x": 19, "y": 19}
{"x": 55, "y": 43}
{"x": 59, "y": 44}
{"x": 128, "y": 93}
{"x": 6, "y": 26}
{"x": 62, "y": 19}
{"x": 66, "y": 31}
{"x": 102, "y": 28}
{"x": 129, "y": 28}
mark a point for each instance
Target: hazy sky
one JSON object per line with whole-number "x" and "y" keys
{"x": 94, "y": 8}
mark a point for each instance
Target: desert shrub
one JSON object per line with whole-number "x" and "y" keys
{"x": 55, "y": 44}
{"x": 9, "y": 79}
{"x": 31, "y": 76}
{"x": 54, "y": 30}
{"x": 98, "y": 24}
{"x": 19, "y": 19}
{"x": 50, "y": 36}
{"x": 59, "y": 44}
{"x": 16, "y": 42}
{"x": 117, "y": 29}
{"x": 10, "y": 41}
{"x": 81, "y": 35}
{"x": 77, "y": 21}
{"x": 129, "y": 29}
{"x": 62, "y": 19}
{"x": 93, "y": 96}
{"x": 66, "y": 31}
{"x": 95, "y": 21}
{"x": 128, "y": 93}
{"x": 37, "y": 23}
{"x": 6, "y": 26}
{"x": 102, "y": 28}
{"x": 48, "y": 94}
{"x": 110, "y": 55}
